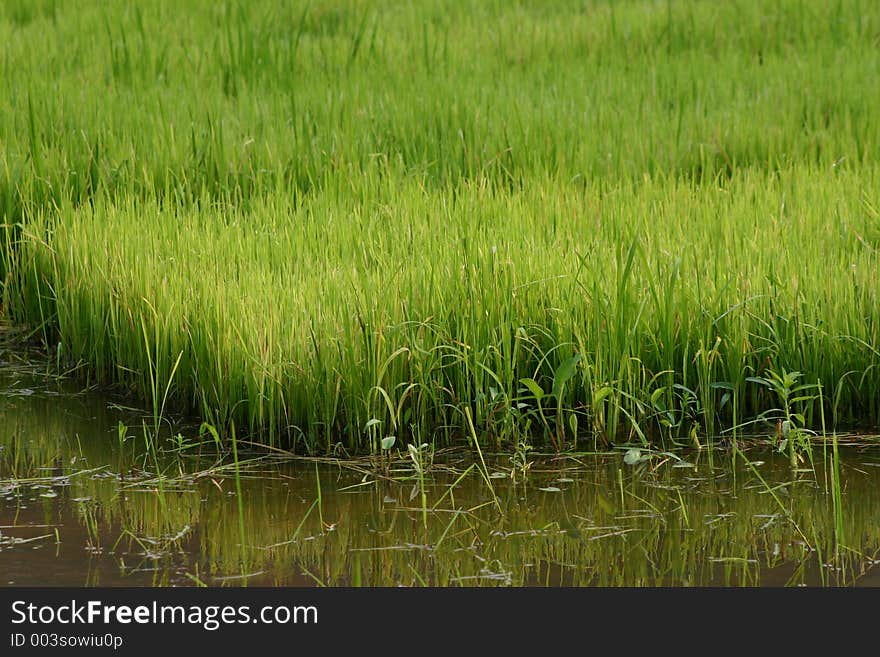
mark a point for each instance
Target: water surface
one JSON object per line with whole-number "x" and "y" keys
{"x": 88, "y": 498}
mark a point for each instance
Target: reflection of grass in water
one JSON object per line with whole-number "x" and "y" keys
{"x": 674, "y": 525}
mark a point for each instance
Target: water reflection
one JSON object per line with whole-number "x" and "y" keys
{"x": 87, "y": 499}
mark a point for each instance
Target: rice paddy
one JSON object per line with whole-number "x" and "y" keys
{"x": 567, "y": 225}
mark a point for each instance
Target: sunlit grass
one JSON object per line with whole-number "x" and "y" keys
{"x": 334, "y": 222}
{"x": 403, "y": 306}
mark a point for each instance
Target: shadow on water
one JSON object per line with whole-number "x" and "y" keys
{"x": 86, "y": 499}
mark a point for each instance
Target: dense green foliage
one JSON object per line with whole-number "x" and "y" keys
{"x": 335, "y": 221}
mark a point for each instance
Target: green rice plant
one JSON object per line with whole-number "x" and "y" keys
{"x": 242, "y": 535}
{"x": 836, "y": 498}
{"x": 418, "y": 457}
{"x": 303, "y": 219}
{"x": 519, "y": 460}
{"x": 262, "y": 374}
{"x": 790, "y": 431}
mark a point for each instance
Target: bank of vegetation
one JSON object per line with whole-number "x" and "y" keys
{"x": 572, "y": 223}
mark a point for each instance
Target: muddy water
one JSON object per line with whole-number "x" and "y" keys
{"x": 86, "y": 498}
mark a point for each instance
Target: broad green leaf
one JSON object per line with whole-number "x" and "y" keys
{"x": 533, "y": 387}
{"x": 678, "y": 386}
{"x": 564, "y": 373}
{"x": 551, "y": 489}
{"x": 601, "y": 394}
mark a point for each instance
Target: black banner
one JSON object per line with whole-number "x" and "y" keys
{"x": 406, "y": 621}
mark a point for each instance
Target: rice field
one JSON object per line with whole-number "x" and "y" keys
{"x": 571, "y": 224}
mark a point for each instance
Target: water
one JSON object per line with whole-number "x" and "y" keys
{"x": 85, "y": 499}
